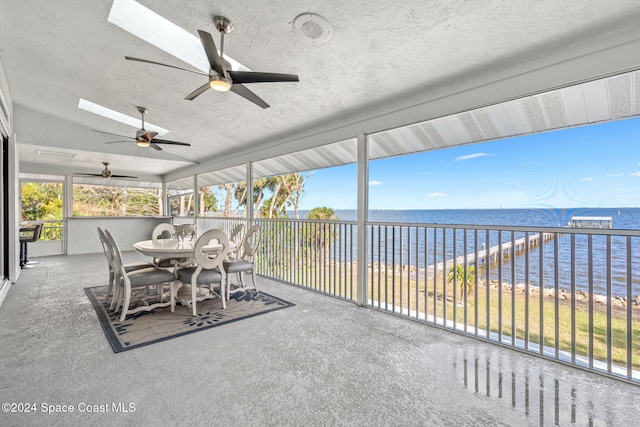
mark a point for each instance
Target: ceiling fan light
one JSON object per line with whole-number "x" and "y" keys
{"x": 220, "y": 84}
{"x": 142, "y": 143}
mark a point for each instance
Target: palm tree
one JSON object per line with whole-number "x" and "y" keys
{"x": 318, "y": 237}
{"x": 456, "y": 274}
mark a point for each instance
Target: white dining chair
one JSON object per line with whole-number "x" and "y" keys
{"x": 236, "y": 236}
{"x": 245, "y": 263}
{"x": 164, "y": 231}
{"x": 207, "y": 270}
{"x": 127, "y": 281}
{"x": 128, "y": 267}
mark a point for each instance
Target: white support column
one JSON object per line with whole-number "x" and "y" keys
{"x": 165, "y": 199}
{"x": 196, "y": 199}
{"x": 249, "y": 205}
{"x": 363, "y": 207}
{"x": 67, "y": 203}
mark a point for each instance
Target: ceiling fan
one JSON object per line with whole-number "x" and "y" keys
{"x": 106, "y": 173}
{"x": 144, "y": 138}
{"x": 221, "y": 77}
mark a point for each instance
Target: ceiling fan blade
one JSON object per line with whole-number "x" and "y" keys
{"x": 164, "y": 141}
{"x": 155, "y": 146}
{"x": 164, "y": 65}
{"x": 244, "y": 92}
{"x": 212, "y": 52}
{"x": 193, "y": 95}
{"x": 114, "y": 134}
{"x": 257, "y": 77}
{"x": 116, "y": 142}
{"x": 123, "y": 176}
{"x": 88, "y": 174}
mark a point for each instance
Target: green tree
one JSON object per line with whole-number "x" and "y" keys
{"x": 319, "y": 235}
{"x": 41, "y": 200}
{"x": 456, "y": 275}
{"x": 208, "y": 200}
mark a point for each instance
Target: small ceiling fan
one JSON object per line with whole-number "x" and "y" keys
{"x": 106, "y": 173}
{"x": 144, "y": 138}
{"x": 221, "y": 77}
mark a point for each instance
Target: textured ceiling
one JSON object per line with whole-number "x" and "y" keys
{"x": 54, "y": 53}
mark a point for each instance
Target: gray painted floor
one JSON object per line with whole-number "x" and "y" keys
{"x": 323, "y": 362}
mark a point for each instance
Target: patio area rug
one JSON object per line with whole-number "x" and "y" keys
{"x": 149, "y": 327}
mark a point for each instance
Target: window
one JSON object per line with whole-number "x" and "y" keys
{"x": 114, "y": 200}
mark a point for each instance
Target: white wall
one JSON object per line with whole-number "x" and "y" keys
{"x": 82, "y": 235}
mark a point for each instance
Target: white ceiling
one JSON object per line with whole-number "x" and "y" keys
{"x": 382, "y": 61}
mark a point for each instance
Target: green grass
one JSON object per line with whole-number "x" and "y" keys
{"x": 520, "y": 322}
{"x": 400, "y": 290}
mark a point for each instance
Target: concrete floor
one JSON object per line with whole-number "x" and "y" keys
{"x": 324, "y": 362}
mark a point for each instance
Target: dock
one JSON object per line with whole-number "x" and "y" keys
{"x": 508, "y": 249}
{"x": 591, "y": 222}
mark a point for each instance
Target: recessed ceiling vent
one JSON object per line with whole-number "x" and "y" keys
{"x": 312, "y": 28}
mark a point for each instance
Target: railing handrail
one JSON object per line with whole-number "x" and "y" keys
{"x": 516, "y": 228}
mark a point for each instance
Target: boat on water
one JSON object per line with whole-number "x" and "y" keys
{"x": 590, "y": 222}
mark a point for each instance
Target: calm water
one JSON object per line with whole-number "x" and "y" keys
{"x": 596, "y": 274}
{"x": 623, "y": 218}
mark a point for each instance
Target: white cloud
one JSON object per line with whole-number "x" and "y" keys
{"x": 436, "y": 194}
{"x": 635, "y": 174}
{"x": 587, "y": 178}
{"x": 471, "y": 156}
{"x": 373, "y": 183}
{"x": 615, "y": 174}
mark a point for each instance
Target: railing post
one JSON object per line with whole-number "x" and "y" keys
{"x": 363, "y": 207}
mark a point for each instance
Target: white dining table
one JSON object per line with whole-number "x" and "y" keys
{"x": 182, "y": 251}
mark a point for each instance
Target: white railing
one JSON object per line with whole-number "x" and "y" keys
{"x": 571, "y": 295}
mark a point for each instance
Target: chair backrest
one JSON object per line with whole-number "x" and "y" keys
{"x": 105, "y": 246}
{"x": 251, "y": 241}
{"x": 116, "y": 255}
{"x": 209, "y": 258}
{"x": 237, "y": 232}
{"x": 237, "y": 236}
{"x": 163, "y": 231}
{"x": 37, "y": 232}
{"x": 32, "y": 234}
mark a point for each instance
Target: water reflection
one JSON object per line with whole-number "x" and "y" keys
{"x": 541, "y": 394}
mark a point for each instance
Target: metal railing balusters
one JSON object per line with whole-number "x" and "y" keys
{"x": 456, "y": 279}
{"x": 556, "y": 295}
{"x": 526, "y": 290}
{"x": 629, "y": 312}
{"x": 466, "y": 279}
{"x": 500, "y": 254}
{"x": 435, "y": 275}
{"x": 417, "y": 261}
{"x": 400, "y": 267}
{"x": 513, "y": 291}
{"x": 487, "y": 269}
{"x": 590, "y": 284}
{"x": 573, "y": 298}
{"x": 426, "y": 274}
{"x": 444, "y": 276}
{"x": 541, "y": 291}
{"x": 318, "y": 255}
{"x": 476, "y": 277}
{"x": 609, "y": 293}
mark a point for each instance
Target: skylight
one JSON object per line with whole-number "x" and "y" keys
{"x": 164, "y": 34}
{"x": 119, "y": 117}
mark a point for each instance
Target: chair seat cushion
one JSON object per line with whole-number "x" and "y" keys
{"x": 237, "y": 265}
{"x": 133, "y": 266}
{"x": 150, "y": 276}
{"x": 204, "y": 278}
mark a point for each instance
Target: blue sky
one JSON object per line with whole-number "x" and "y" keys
{"x": 589, "y": 166}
